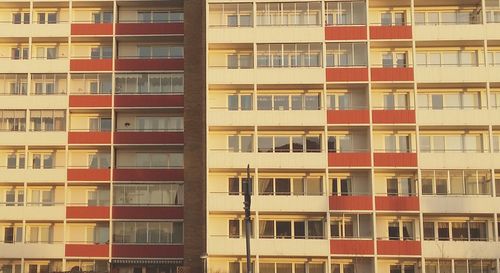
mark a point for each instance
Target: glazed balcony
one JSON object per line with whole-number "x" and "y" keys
{"x": 350, "y": 202}
{"x": 86, "y": 250}
{"x": 146, "y": 251}
{"x": 346, "y": 74}
{"x": 345, "y": 32}
{"x": 352, "y": 247}
{"x": 147, "y": 212}
{"x": 134, "y": 173}
{"x": 390, "y": 32}
{"x": 148, "y": 137}
{"x": 396, "y": 116}
{"x": 398, "y": 247}
{"x": 397, "y": 203}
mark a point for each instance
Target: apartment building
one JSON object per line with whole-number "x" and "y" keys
{"x": 92, "y": 135}
{"x": 371, "y": 128}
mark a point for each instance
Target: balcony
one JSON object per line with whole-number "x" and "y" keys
{"x": 398, "y": 248}
{"x": 32, "y": 251}
{"x": 457, "y": 204}
{"x": 90, "y": 100}
{"x": 223, "y": 202}
{"x": 91, "y": 64}
{"x": 146, "y": 174}
{"x": 465, "y": 249}
{"x": 139, "y": 64}
{"x": 141, "y": 28}
{"x": 391, "y": 74}
{"x": 32, "y": 213}
{"x": 349, "y": 159}
{"x": 396, "y": 203}
{"x": 89, "y": 137}
{"x": 351, "y": 247}
{"x": 358, "y": 116}
{"x": 138, "y": 137}
{"x": 86, "y": 250}
{"x": 87, "y": 212}
{"x": 393, "y": 116}
{"x": 147, "y": 251}
{"x": 222, "y": 245}
{"x": 355, "y": 202}
{"x": 346, "y": 74}
{"x": 88, "y": 174}
{"x": 226, "y": 159}
{"x": 147, "y": 212}
{"x": 345, "y": 32}
{"x": 224, "y": 117}
{"x": 146, "y": 100}
{"x": 388, "y": 159}
{"x": 393, "y": 32}
{"x": 91, "y": 29}
{"x": 452, "y": 73}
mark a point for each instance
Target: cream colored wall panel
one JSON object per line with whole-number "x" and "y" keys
{"x": 35, "y": 30}
{"x": 494, "y": 73}
{"x": 223, "y": 117}
{"x": 35, "y": 66}
{"x": 447, "y": 74}
{"x": 459, "y": 117}
{"x": 458, "y": 160}
{"x": 449, "y": 32}
{"x": 34, "y": 102}
{"x": 459, "y": 204}
{"x": 33, "y": 138}
{"x": 32, "y": 213}
{"x": 493, "y": 31}
{"x": 32, "y": 251}
{"x": 30, "y": 175}
{"x": 266, "y": 34}
{"x": 223, "y": 159}
{"x": 460, "y": 250}
{"x": 306, "y": 75}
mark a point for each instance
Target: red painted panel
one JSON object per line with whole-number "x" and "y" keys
{"x": 89, "y": 137}
{"x": 394, "y": 74}
{"x": 92, "y": 212}
{"x": 393, "y": 116}
{"x": 149, "y": 64}
{"x": 147, "y": 212}
{"x": 397, "y": 203}
{"x": 345, "y": 33}
{"x": 147, "y": 251}
{"x": 352, "y": 247}
{"x": 91, "y": 65}
{"x": 348, "y": 116}
{"x": 149, "y": 137}
{"x": 351, "y": 202}
{"x": 360, "y": 159}
{"x": 87, "y": 250}
{"x": 149, "y": 28}
{"x": 347, "y": 74}
{"x": 148, "y": 175}
{"x": 398, "y": 248}
{"x": 90, "y": 101}
{"x": 91, "y": 29}
{"x": 395, "y": 159}
{"x": 149, "y": 100}
{"x": 89, "y": 175}
{"x": 390, "y": 32}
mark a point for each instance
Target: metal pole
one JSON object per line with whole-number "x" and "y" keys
{"x": 247, "y": 203}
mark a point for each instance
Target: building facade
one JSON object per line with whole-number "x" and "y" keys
{"x": 371, "y": 129}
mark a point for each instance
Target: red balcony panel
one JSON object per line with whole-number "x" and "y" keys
{"x": 395, "y": 159}
{"x": 350, "y": 202}
{"x": 149, "y": 64}
{"x": 86, "y": 250}
{"x": 393, "y": 116}
{"x": 147, "y": 251}
{"x": 89, "y": 137}
{"x": 392, "y": 74}
{"x": 345, "y": 33}
{"x": 352, "y": 247}
{"x": 398, "y": 248}
{"x": 149, "y": 28}
{"x": 147, "y": 212}
{"x": 390, "y": 32}
{"x": 347, "y": 74}
{"x": 348, "y": 116}
{"x": 148, "y": 175}
{"x": 361, "y": 159}
{"x": 149, "y": 100}
{"x": 149, "y": 137}
{"x": 397, "y": 203}
{"x": 91, "y": 212}
{"x": 91, "y": 29}
{"x": 89, "y": 175}
{"x": 90, "y": 101}
{"x": 91, "y": 65}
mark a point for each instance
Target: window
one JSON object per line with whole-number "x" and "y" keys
{"x": 101, "y": 52}
{"x": 300, "y": 13}
{"x": 156, "y": 124}
{"x": 99, "y": 161}
{"x": 287, "y": 229}
{"x": 395, "y": 101}
{"x": 448, "y": 58}
{"x": 149, "y": 83}
{"x": 39, "y": 234}
{"x": 13, "y": 120}
{"x": 396, "y": 18}
{"x": 394, "y": 59}
{"x": 346, "y": 13}
{"x": 160, "y": 16}
{"x": 240, "y": 143}
{"x": 401, "y": 230}
{"x": 160, "y": 51}
{"x": 230, "y": 15}
{"x": 13, "y": 234}
{"x": 21, "y": 18}
{"x": 48, "y": 120}
{"x": 341, "y": 186}
{"x": 289, "y": 55}
{"x": 346, "y": 54}
{"x": 429, "y": 233}
{"x": 102, "y": 17}
{"x": 19, "y": 53}
{"x": 164, "y": 194}
{"x": 48, "y": 84}
{"x": 161, "y": 232}
{"x": 91, "y": 83}
{"x": 241, "y": 102}
{"x": 98, "y": 197}
{"x": 236, "y": 185}
{"x": 159, "y": 160}
{"x": 351, "y": 226}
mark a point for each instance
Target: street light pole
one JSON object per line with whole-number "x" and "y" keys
{"x": 247, "y": 203}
